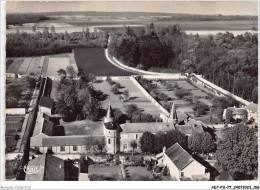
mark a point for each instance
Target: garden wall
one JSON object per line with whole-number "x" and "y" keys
{"x": 215, "y": 89}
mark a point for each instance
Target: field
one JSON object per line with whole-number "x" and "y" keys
{"x": 138, "y": 98}
{"x": 138, "y": 174}
{"x": 93, "y": 60}
{"x": 116, "y": 103}
{"x": 44, "y": 65}
{"x": 111, "y": 173}
{"x": 135, "y": 97}
{"x": 56, "y": 63}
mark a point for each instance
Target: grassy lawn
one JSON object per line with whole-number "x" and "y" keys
{"x": 138, "y": 174}
{"x": 83, "y": 127}
{"x": 104, "y": 173}
{"x": 93, "y": 60}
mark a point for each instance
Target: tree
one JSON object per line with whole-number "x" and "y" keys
{"x": 62, "y": 73}
{"x": 255, "y": 95}
{"x": 133, "y": 144}
{"x": 229, "y": 115}
{"x": 30, "y": 81}
{"x": 71, "y": 71}
{"x": 126, "y": 94}
{"x": 175, "y": 136}
{"x": 147, "y": 142}
{"x": 201, "y": 143}
{"x": 33, "y": 28}
{"x": 52, "y": 29}
{"x": 159, "y": 141}
{"x": 131, "y": 109}
{"x": 237, "y": 152}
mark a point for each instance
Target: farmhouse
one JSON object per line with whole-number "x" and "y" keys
{"x": 181, "y": 165}
{"x": 113, "y": 138}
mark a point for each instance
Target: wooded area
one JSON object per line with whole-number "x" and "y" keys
{"x": 22, "y": 44}
{"x": 228, "y": 61}
{"x": 20, "y": 19}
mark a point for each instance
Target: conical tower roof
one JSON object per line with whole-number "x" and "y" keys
{"x": 173, "y": 114}
{"x": 110, "y": 113}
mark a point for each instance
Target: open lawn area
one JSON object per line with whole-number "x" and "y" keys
{"x": 93, "y": 60}
{"x": 113, "y": 98}
{"x": 83, "y": 127}
{"x": 56, "y": 63}
{"x": 138, "y": 174}
{"x": 104, "y": 173}
{"x": 138, "y": 98}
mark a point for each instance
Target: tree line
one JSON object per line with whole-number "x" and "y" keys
{"x": 22, "y": 44}
{"x": 20, "y": 19}
{"x": 228, "y": 61}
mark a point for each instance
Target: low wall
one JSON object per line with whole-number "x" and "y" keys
{"x": 148, "y": 95}
{"x": 113, "y": 78}
{"x": 216, "y": 89}
{"x": 175, "y": 76}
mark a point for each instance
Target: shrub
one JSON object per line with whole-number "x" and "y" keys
{"x": 180, "y": 93}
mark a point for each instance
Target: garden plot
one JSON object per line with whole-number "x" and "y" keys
{"x": 56, "y": 63}
{"x": 111, "y": 173}
{"x": 14, "y": 66}
{"x": 25, "y": 65}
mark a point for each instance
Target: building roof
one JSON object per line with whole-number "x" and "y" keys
{"x": 153, "y": 127}
{"x": 110, "y": 113}
{"x": 43, "y": 126}
{"x": 46, "y": 102}
{"x": 189, "y": 129}
{"x": 181, "y": 116}
{"x": 49, "y": 168}
{"x": 237, "y": 111}
{"x": 173, "y": 114}
{"x": 47, "y": 87}
{"x": 180, "y": 157}
{"x": 70, "y": 140}
{"x": 111, "y": 125}
{"x": 252, "y": 107}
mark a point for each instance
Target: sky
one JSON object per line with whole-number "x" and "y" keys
{"x": 192, "y": 7}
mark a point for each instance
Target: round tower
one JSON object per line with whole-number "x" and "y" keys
{"x": 111, "y": 132}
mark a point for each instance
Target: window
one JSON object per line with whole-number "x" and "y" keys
{"x": 182, "y": 174}
{"x": 75, "y": 148}
{"x": 136, "y": 136}
{"x": 108, "y": 141}
{"x": 62, "y": 148}
{"x": 125, "y": 146}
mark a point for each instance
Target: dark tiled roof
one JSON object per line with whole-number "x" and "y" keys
{"x": 153, "y": 127}
{"x": 52, "y": 169}
{"x": 47, "y": 87}
{"x": 43, "y": 126}
{"x": 46, "y": 102}
{"x": 70, "y": 140}
{"x": 189, "y": 129}
{"x": 252, "y": 107}
{"x": 111, "y": 125}
{"x": 179, "y": 156}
